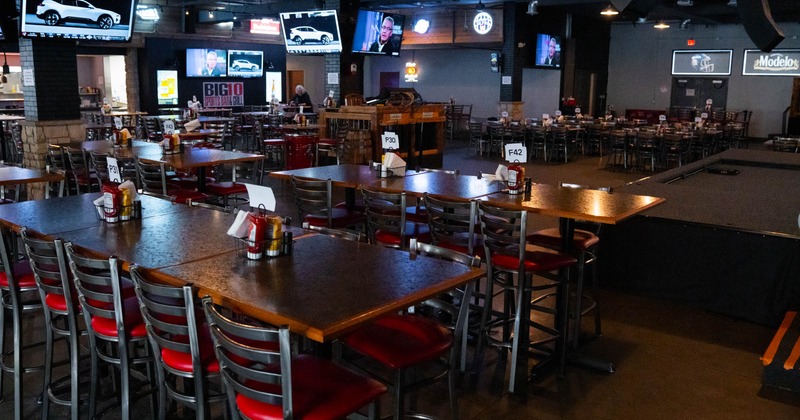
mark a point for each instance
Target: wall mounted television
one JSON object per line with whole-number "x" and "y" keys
{"x": 109, "y": 20}
{"x": 548, "y": 52}
{"x": 245, "y": 63}
{"x": 206, "y": 62}
{"x": 701, "y": 62}
{"x": 312, "y": 32}
{"x": 378, "y": 33}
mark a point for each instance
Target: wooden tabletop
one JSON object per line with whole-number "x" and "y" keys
{"x": 63, "y": 214}
{"x": 576, "y": 203}
{"x": 211, "y": 119}
{"x": 6, "y": 117}
{"x": 196, "y": 157}
{"x": 124, "y": 113}
{"x": 12, "y": 175}
{"x": 315, "y": 290}
{"x": 438, "y": 183}
{"x": 345, "y": 175}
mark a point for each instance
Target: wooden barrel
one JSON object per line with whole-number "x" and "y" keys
{"x": 357, "y": 147}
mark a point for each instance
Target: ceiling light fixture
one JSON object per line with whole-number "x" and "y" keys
{"x": 480, "y": 5}
{"x": 661, "y": 25}
{"x": 609, "y": 11}
{"x": 532, "y": 7}
{"x": 421, "y": 26}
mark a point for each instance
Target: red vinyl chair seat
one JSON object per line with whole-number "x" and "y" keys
{"x": 551, "y": 238}
{"x": 24, "y": 276}
{"x": 477, "y": 247}
{"x": 340, "y": 218}
{"x": 183, "y": 361}
{"x": 413, "y": 230}
{"x": 401, "y": 341}
{"x": 226, "y": 188}
{"x": 134, "y": 324}
{"x": 320, "y": 389}
{"x": 534, "y": 261}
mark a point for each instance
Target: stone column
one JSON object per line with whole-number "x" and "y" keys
{"x": 52, "y": 113}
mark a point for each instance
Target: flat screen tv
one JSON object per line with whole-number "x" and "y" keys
{"x": 378, "y": 33}
{"x": 107, "y": 20}
{"x": 548, "y": 52}
{"x": 312, "y": 32}
{"x": 206, "y": 62}
{"x": 245, "y": 63}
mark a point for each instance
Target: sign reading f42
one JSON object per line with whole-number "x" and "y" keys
{"x": 774, "y": 63}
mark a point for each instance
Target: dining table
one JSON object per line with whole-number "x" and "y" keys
{"x": 313, "y": 290}
{"x": 15, "y": 175}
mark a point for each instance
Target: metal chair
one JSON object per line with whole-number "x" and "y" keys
{"x": 17, "y": 295}
{"x": 264, "y": 380}
{"x": 179, "y": 338}
{"x": 404, "y": 342}
{"x": 386, "y": 219}
{"x": 314, "y": 200}
{"x": 507, "y": 258}
{"x": 61, "y": 312}
{"x": 114, "y": 323}
{"x": 584, "y": 247}
{"x": 153, "y": 181}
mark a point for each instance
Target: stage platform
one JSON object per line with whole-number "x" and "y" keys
{"x": 727, "y": 238}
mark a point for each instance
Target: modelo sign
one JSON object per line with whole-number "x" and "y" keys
{"x": 223, "y": 94}
{"x": 775, "y": 63}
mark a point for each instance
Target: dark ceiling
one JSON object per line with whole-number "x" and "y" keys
{"x": 710, "y": 12}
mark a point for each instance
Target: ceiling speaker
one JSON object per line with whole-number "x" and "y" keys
{"x": 756, "y": 18}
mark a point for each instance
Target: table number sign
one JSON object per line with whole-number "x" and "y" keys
{"x": 516, "y": 153}
{"x": 169, "y": 127}
{"x": 390, "y": 140}
{"x": 118, "y": 123}
{"x": 114, "y": 174}
{"x": 558, "y": 113}
{"x": 662, "y": 118}
{"x": 577, "y": 110}
{"x": 698, "y": 119}
{"x": 704, "y": 115}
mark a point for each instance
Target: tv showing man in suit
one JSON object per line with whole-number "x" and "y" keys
{"x": 548, "y": 51}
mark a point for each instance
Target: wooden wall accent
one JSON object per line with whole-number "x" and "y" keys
{"x": 447, "y": 27}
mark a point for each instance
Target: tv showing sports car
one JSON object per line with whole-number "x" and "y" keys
{"x": 104, "y": 20}
{"x": 245, "y": 63}
{"x": 312, "y": 32}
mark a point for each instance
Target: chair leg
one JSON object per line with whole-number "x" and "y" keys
{"x": 18, "y": 359}
{"x": 399, "y": 395}
{"x": 48, "y": 365}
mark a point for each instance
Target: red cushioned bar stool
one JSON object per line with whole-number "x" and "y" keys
{"x": 519, "y": 272}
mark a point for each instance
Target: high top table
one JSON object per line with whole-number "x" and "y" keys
{"x": 14, "y": 175}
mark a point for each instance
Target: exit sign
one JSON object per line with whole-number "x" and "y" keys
{"x": 690, "y": 42}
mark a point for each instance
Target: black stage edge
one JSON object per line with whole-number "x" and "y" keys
{"x": 726, "y": 239}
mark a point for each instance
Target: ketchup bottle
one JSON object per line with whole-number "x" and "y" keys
{"x": 516, "y": 179}
{"x": 255, "y": 236}
{"x": 112, "y": 200}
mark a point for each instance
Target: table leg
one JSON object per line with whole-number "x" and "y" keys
{"x": 567, "y": 227}
{"x": 350, "y": 198}
{"x": 201, "y": 178}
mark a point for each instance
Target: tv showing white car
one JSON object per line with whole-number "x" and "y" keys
{"x": 243, "y": 65}
{"x": 54, "y": 12}
{"x": 304, "y": 34}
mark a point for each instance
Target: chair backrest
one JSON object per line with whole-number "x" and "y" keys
{"x": 313, "y": 197}
{"x": 99, "y": 287}
{"x": 152, "y": 128}
{"x": 452, "y": 222}
{"x": 77, "y": 161}
{"x": 504, "y": 232}
{"x": 353, "y": 99}
{"x": 100, "y": 165}
{"x": 49, "y": 266}
{"x": 346, "y": 234}
{"x": 255, "y": 361}
{"x": 152, "y": 178}
{"x": 385, "y": 212}
{"x": 171, "y": 318}
{"x": 56, "y": 158}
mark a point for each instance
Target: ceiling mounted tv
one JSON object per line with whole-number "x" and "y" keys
{"x": 313, "y": 32}
{"x": 206, "y": 62}
{"x": 548, "y": 52}
{"x": 107, "y": 20}
{"x": 245, "y": 63}
{"x": 378, "y": 33}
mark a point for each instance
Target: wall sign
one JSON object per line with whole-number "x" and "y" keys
{"x": 775, "y": 63}
{"x": 222, "y": 94}
{"x": 701, "y": 62}
{"x": 482, "y": 23}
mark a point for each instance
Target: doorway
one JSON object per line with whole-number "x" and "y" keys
{"x": 294, "y": 78}
{"x": 389, "y": 80}
{"x": 692, "y": 93}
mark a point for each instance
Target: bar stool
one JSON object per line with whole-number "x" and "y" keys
{"x": 387, "y": 223}
{"x": 507, "y": 257}
{"x": 326, "y": 147}
{"x": 584, "y": 248}
{"x": 114, "y": 324}
{"x": 404, "y": 342}
{"x": 49, "y": 265}
{"x": 17, "y": 285}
